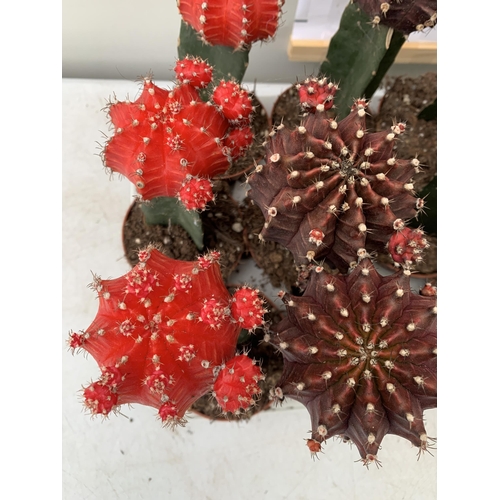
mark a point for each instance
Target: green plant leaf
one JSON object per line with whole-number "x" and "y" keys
{"x": 165, "y": 211}
{"x": 357, "y": 57}
{"x": 227, "y": 63}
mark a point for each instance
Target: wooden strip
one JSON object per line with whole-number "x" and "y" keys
{"x": 315, "y": 51}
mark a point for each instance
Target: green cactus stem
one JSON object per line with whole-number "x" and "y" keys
{"x": 228, "y": 63}
{"x": 165, "y": 210}
{"x": 359, "y": 56}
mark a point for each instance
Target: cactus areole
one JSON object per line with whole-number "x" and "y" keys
{"x": 360, "y": 353}
{"x": 162, "y": 335}
{"x": 332, "y": 190}
{"x": 166, "y": 138}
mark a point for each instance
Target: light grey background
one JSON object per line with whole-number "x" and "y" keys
{"x": 124, "y": 39}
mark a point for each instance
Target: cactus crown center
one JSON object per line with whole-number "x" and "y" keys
{"x": 347, "y": 168}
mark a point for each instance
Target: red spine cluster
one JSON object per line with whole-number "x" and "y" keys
{"x": 161, "y": 336}
{"x": 236, "y": 24}
{"x": 167, "y": 137}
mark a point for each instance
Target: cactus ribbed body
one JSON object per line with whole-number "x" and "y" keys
{"x": 234, "y": 23}
{"x": 332, "y": 190}
{"x": 360, "y": 353}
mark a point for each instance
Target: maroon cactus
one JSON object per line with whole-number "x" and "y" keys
{"x": 161, "y": 336}
{"x": 332, "y": 190}
{"x": 167, "y": 137}
{"x": 360, "y": 353}
{"x": 236, "y": 24}
{"x": 406, "y": 16}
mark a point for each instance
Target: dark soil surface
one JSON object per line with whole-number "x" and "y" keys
{"x": 274, "y": 259}
{"x": 286, "y": 109}
{"x": 231, "y": 229}
{"x": 222, "y": 227}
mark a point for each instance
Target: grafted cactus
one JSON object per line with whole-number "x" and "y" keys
{"x": 169, "y": 138}
{"x": 360, "y": 353}
{"x": 165, "y": 334}
{"x": 331, "y": 189}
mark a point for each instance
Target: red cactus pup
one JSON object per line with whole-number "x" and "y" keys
{"x": 165, "y": 334}
{"x": 169, "y": 138}
{"x": 360, "y": 353}
{"x": 247, "y": 308}
{"x": 235, "y": 24}
{"x": 232, "y": 101}
{"x": 332, "y": 189}
{"x": 237, "y": 384}
{"x": 314, "y": 92}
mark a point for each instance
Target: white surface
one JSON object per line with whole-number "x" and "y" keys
{"x": 135, "y": 459}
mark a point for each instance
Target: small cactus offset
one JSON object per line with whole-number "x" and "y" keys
{"x": 360, "y": 353}
{"x": 237, "y": 384}
{"x": 236, "y": 24}
{"x": 406, "y": 16}
{"x": 247, "y": 308}
{"x": 169, "y": 143}
{"x": 406, "y": 245}
{"x": 316, "y": 94}
{"x": 164, "y": 334}
{"x": 330, "y": 189}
